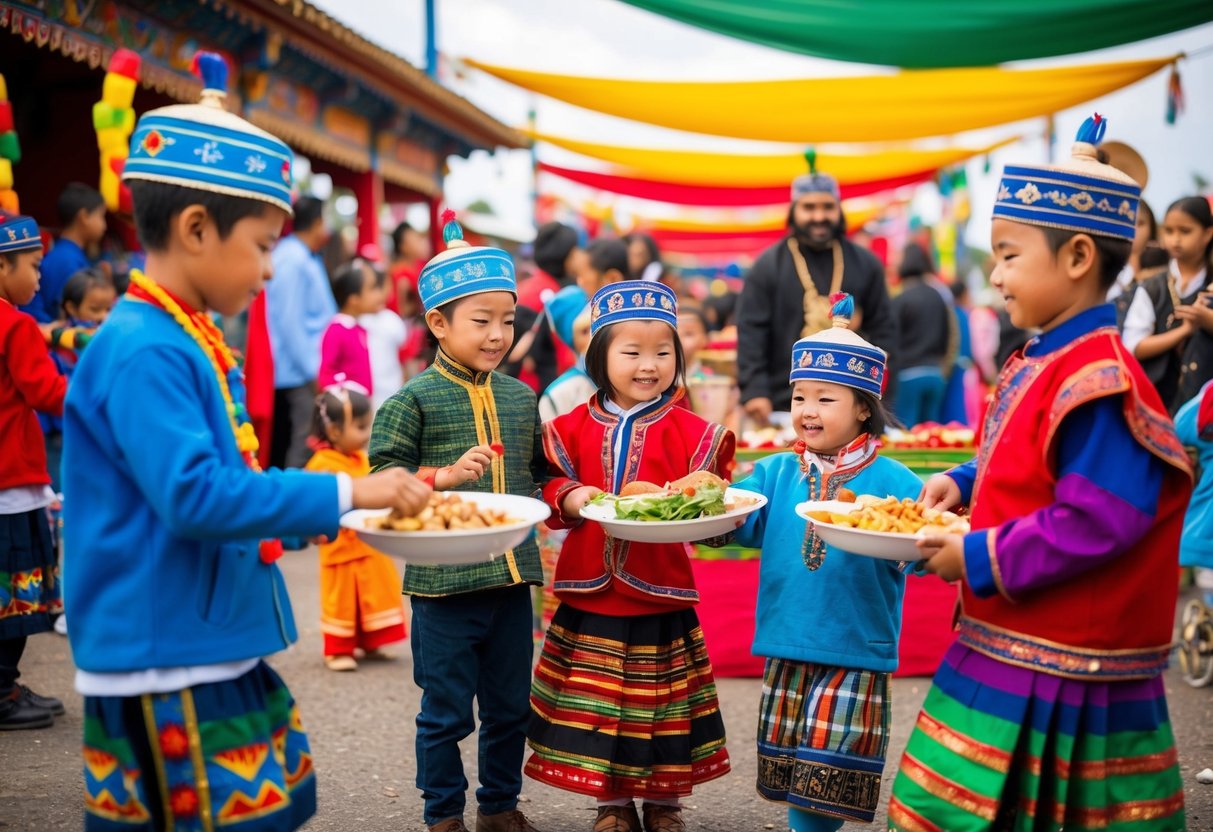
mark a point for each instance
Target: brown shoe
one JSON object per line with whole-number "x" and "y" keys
{"x": 509, "y": 821}
{"x": 449, "y": 825}
{"x": 659, "y": 818}
{"x": 617, "y": 819}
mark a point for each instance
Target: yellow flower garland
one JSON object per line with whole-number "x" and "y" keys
{"x": 210, "y": 339}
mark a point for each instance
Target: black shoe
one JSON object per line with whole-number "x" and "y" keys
{"x": 16, "y": 714}
{"x": 46, "y": 703}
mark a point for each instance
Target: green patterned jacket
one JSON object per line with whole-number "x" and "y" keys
{"x": 431, "y": 422}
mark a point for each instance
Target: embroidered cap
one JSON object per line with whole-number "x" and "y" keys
{"x": 1083, "y": 194}
{"x": 463, "y": 270}
{"x": 204, "y": 146}
{"x": 18, "y": 233}
{"x": 633, "y": 300}
{"x": 839, "y": 355}
{"x": 813, "y": 182}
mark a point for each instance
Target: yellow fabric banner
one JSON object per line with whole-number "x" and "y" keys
{"x": 904, "y": 105}
{"x": 729, "y": 170}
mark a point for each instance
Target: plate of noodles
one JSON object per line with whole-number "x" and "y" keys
{"x": 879, "y": 527}
{"x": 455, "y": 527}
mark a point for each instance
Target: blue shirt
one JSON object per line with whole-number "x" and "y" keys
{"x": 63, "y": 260}
{"x": 1196, "y": 546}
{"x": 162, "y": 516}
{"x": 299, "y": 305}
{"x": 847, "y": 612}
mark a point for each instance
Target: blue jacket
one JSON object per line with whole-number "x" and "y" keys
{"x": 299, "y": 306}
{"x": 162, "y": 517}
{"x": 846, "y": 613}
{"x": 1196, "y": 545}
{"x": 63, "y": 260}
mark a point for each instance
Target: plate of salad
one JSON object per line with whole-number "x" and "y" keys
{"x": 697, "y": 507}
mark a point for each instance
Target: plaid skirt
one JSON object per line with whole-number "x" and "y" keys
{"x": 30, "y": 590}
{"x": 197, "y": 759}
{"x": 823, "y": 733}
{"x": 1007, "y": 748}
{"x": 625, "y": 706}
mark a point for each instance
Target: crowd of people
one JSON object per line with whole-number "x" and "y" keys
{"x": 379, "y": 384}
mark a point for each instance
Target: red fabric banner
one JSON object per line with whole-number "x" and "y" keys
{"x": 681, "y": 194}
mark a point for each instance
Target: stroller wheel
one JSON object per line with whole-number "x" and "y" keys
{"x": 1196, "y": 652}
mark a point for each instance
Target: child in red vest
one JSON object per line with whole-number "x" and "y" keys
{"x": 1049, "y": 709}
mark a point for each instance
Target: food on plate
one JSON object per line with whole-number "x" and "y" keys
{"x": 641, "y": 487}
{"x": 845, "y": 495}
{"x": 698, "y": 494}
{"x": 889, "y": 514}
{"x": 443, "y": 512}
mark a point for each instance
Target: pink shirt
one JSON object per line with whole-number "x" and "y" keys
{"x": 343, "y": 350}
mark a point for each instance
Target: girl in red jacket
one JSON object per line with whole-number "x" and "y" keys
{"x": 29, "y": 570}
{"x": 624, "y": 704}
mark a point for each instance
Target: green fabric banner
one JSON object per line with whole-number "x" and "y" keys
{"x": 920, "y": 34}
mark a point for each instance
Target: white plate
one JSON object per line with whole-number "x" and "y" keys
{"x": 883, "y": 545}
{"x": 674, "y": 531}
{"x": 454, "y": 546}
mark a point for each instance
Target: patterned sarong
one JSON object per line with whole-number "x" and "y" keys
{"x": 625, "y": 706}
{"x": 30, "y": 591}
{"x": 228, "y": 753}
{"x": 822, "y": 737}
{"x": 1007, "y": 748}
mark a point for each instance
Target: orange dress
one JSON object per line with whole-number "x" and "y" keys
{"x": 360, "y": 589}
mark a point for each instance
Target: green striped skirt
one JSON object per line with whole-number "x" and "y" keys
{"x": 823, "y": 733}
{"x": 1003, "y": 747}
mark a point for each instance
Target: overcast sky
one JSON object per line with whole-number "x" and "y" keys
{"x": 611, "y": 39}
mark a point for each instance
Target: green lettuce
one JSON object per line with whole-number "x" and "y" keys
{"x": 707, "y": 501}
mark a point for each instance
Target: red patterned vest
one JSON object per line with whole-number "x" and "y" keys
{"x": 1112, "y": 622}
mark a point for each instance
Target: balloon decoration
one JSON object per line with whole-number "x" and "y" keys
{"x": 10, "y": 153}
{"x": 114, "y": 119}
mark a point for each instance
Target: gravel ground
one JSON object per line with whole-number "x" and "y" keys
{"x": 361, "y": 730}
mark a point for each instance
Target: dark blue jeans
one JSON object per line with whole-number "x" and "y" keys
{"x": 919, "y": 395}
{"x": 476, "y": 645}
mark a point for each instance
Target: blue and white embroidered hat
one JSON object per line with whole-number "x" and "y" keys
{"x": 1083, "y": 194}
{"x": 18, "y": 233}
{"x": 206, "y": 147}
{"x": 633, "y": 300}
{"x": 464, "y": 270}
{"x": 839, "y": 355}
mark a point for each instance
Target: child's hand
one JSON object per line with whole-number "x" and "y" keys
{"x": 941, "y": 492}
{"x": 471, "y": 466}
{"x": 1198, "y": 314}
{"x": 578, "y": 497}
{"x": 394, "y": 488}
{"x": 945, "y": 555}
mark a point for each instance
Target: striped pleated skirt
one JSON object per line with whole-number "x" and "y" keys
{"x": 195, "y": 760}
{"x": 1008, "y": 748}
{"x": 625, "y": 706}
{"x": 823, "y": 733}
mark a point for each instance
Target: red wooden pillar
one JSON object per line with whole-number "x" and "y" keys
{"x": 368, "y": 188}
{"x": 436, "y": 241}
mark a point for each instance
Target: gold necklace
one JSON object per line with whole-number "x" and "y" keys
{"x": 816, "y": 308}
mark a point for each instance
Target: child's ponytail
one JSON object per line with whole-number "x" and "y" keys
{"x": 340, "y": 403}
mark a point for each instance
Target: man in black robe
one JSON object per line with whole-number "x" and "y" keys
{"x": 774, "y": 312}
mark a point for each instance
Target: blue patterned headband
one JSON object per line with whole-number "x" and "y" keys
{"x": 633, "y": 300}
{"x": 464, "y": 270}
{"x": 203, "y": 146}
{"x": 18, "y": 233}
{"x": 1083, "y": 194}
{"x": 839, "y": 355}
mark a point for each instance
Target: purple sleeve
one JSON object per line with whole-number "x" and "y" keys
{"x": 1105, "y": 501}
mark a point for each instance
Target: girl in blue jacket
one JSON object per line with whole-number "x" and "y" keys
{"x": 827, "y": 620}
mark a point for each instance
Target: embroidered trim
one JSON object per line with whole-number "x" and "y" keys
{"x": 1059, "y": 659}
{"x": 654, "y": 589}
{"x": 992, "y": 549}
